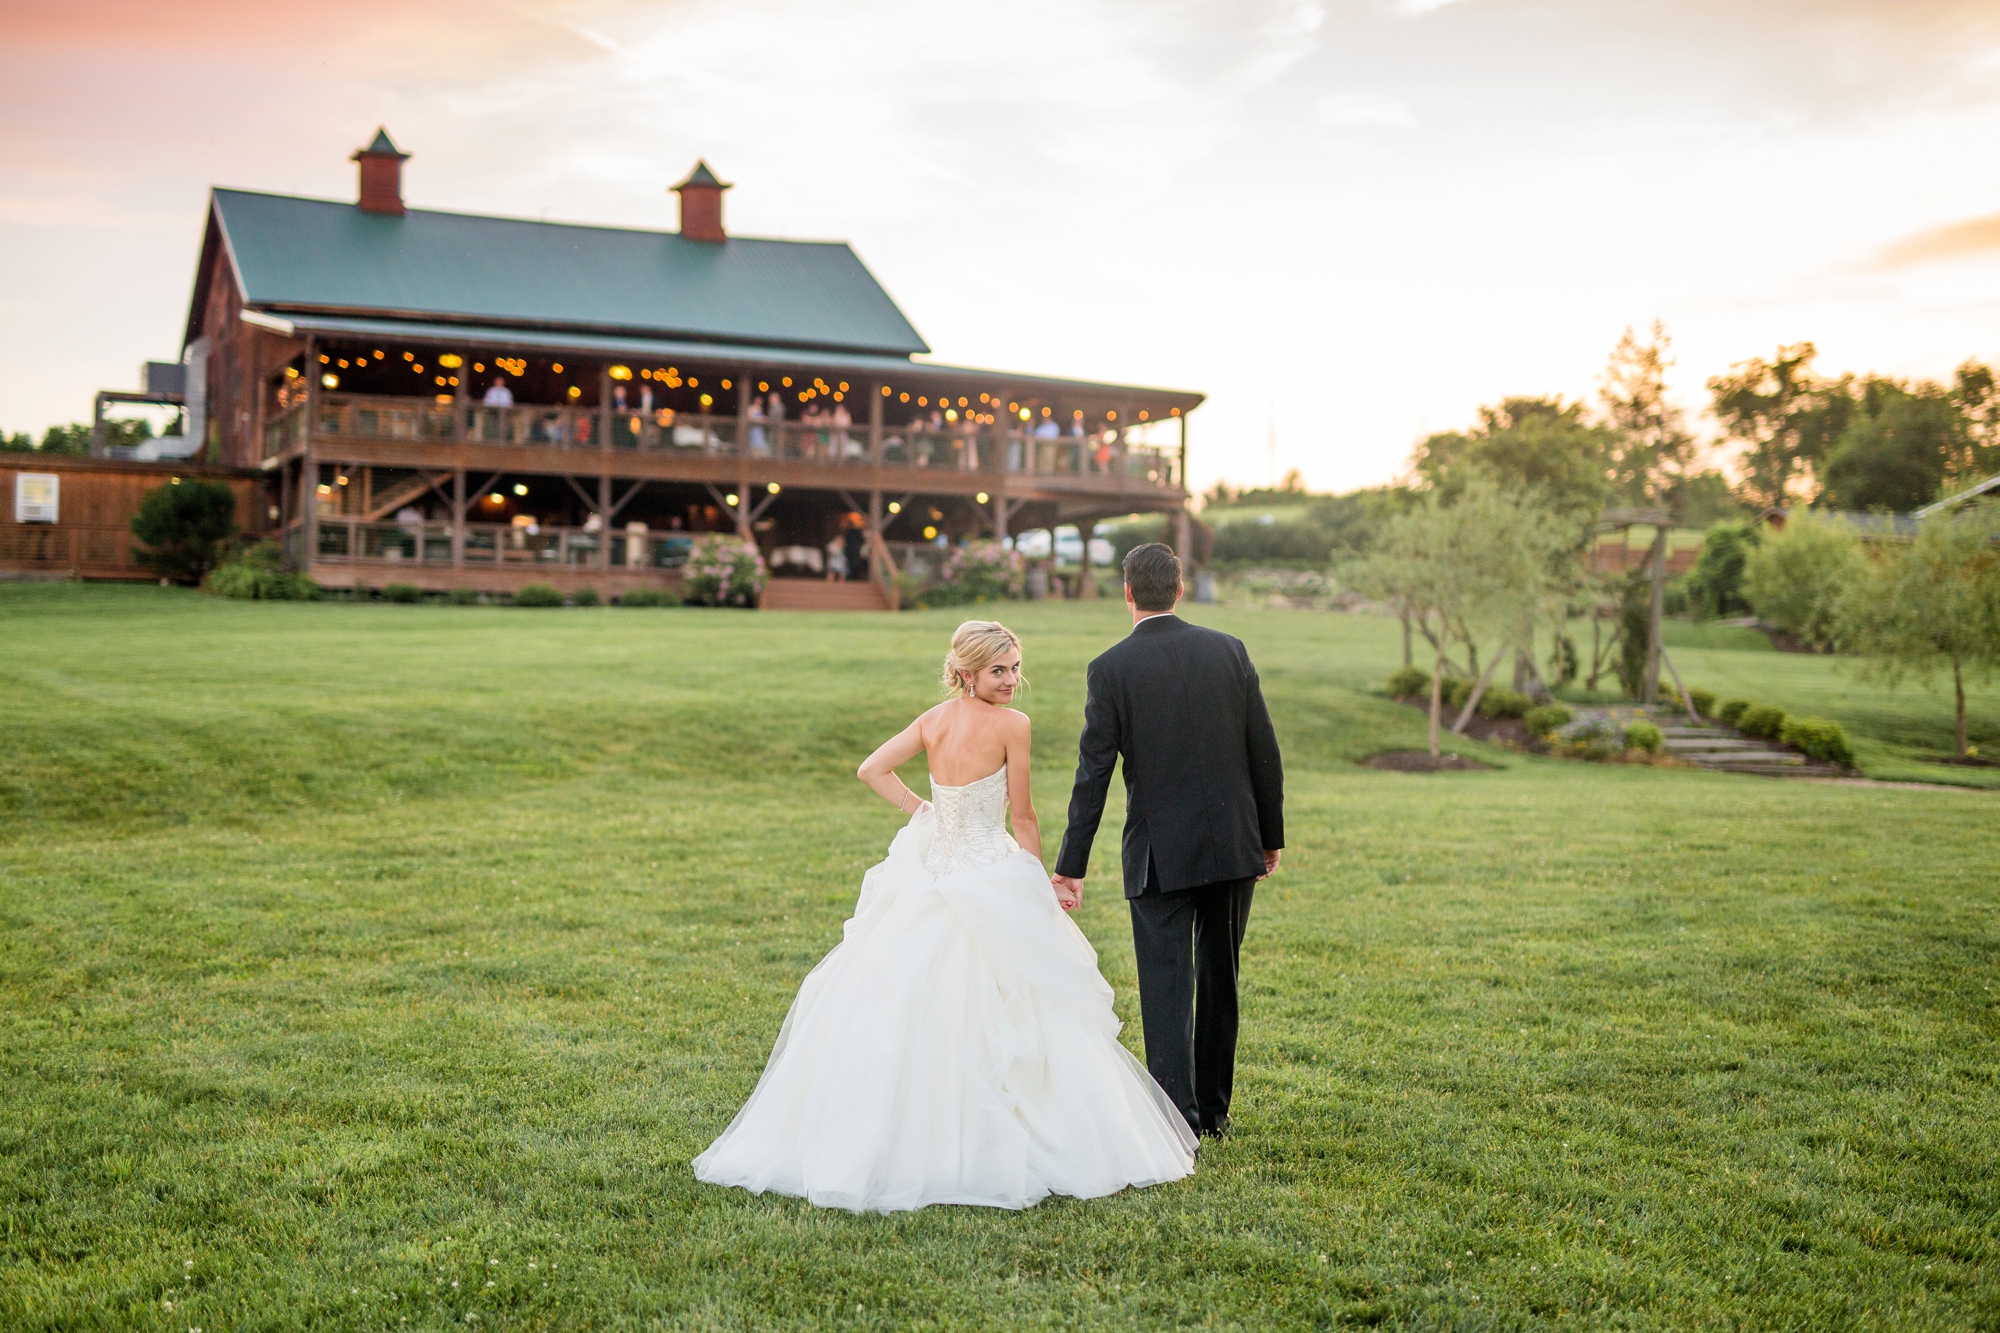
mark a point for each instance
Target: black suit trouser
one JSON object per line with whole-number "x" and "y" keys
{"x": 1187, "y": 945}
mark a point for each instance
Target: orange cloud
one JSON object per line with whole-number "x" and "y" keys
{"x": 1956, "y": 240}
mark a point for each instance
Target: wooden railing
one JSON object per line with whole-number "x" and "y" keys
{"x": 337, "y": 417}
{"x": 487, "y": 545}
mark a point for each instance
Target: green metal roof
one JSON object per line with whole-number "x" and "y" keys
{"x": 893, "y": 369}
{"x": 295, "y": 254}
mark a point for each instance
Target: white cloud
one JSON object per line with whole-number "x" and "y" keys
{"x": 1413, "y": 8}
{"x": 1366, "y": 109}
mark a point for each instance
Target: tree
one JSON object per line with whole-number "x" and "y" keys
{"x": 1526, "y": 444}
{"x": 1715, "y": 584}
{"x": 1799, "y": 579}
{"x": 1651, "y": 453}
{"x": 1785, "y": 415}
{"x": 1933, "y": 603}
{"x": 1896, "y": 448}
{"x": 1978, "y": 400}
{"x": 183, "y": 526}
{"x": 1494, "y": 561}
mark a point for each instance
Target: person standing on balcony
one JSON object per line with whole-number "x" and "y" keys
{"x": 499, "y": 395}
{"x": 760, "y": 444}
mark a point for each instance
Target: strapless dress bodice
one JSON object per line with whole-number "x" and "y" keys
{"x": 971, "y": 824}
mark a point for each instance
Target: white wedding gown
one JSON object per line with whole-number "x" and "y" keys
{"x": 957, "y": 1046}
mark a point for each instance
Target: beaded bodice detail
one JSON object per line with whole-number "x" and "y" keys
{"x": 971, "y": 827}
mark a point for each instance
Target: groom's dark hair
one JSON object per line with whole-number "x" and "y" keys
{"x": 1153, "y": 573}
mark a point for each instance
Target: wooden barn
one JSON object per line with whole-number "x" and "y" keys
{"x": 461, "y": 401}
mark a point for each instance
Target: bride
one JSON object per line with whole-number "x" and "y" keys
{"x": 958, "y": 1045}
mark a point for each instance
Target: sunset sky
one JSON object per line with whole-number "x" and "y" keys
{"x": 1358, "y": 219}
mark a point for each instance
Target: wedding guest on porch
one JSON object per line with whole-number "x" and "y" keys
{"x": 760, "y": 444}
{"x": 836, "y": 560}
{"x": 856, "y": 542}
{"x": 498, "y": 394}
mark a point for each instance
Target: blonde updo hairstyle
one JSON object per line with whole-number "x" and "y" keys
{"x": 974, "y": 646}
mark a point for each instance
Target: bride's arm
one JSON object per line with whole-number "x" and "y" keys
{"x": 878, "y": 770}
{"x": 1027, "y": 829}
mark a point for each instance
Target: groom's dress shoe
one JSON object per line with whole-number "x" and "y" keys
{"x": 1217, "y": 1129}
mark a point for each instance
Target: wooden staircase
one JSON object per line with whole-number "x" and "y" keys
{"x": 818, "y": 595}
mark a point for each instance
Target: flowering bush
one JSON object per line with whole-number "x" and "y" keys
{"x": 723, "y": 571}
{"x": 981, "y": 572}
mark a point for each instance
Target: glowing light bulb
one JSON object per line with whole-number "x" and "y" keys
{"x": 981, "y": 497}
{"x": 520, "y": 488}
{"x": 772, "y": 488}
{"x": 895, "y": 507}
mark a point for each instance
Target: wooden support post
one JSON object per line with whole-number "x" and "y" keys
{"x": 1183, "y": 542}
{"x": 742, "y": 412}
{"x": 1655, "y": 614}
{"x": 603, "y": 560}
{"x": 309, "y": 465}
{"x": 875, "y": 397}
{"x": 879, "y": 563}
{"x": 458, "y": 516}
{"x": 1184, "y": 472}
{"x": 743, "y": 462}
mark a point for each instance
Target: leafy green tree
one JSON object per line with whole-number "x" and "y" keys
{"x": 1493, "y": 563}
{"x": 1787, "y": 416}
{"x": 1933, "y": 604}
{"x": 16, "y": 444}
{"x": 184, "y": 526}
{"x": 1715, "y": 584}
{"x": 1530, "y": 444}
{"x": 1896, "y": 448}
{"x": 1973, "y": 388}
{"x": 1652, "y": 452}
{"x": 1799, "y": 578}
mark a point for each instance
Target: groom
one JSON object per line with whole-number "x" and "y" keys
{"x": 1204, "y": 821}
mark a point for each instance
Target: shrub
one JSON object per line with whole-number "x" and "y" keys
{"x": 402, "y": 592}
{"x": 1819, "y": 738}
{"x": 1715, "y": 584}
{"x": 1594, "y": 737}
{"x": 184, "y": 526}
{"x": 648, "y": 597}
{"x": 584, "y": 597}
{"x": 538, "y": 594}
{"x": 1546, "y": 719}
{"x": 1766, "y": 720}
{"x": 980, "y": 572}
{"x": 1455, "y": 692}
{"x": 1643, "y": 736}
{"x": 1703, "y": 700}
{"x": 724, "y": 570}
{"x": 1409, "y": 681}
{"x": 260, "y": 573}
{"x": 463, "y": 596}
{"x": 1500, "y": 702}
{"x": 1799, "y": 578}
{"x": 1731, "y": 710}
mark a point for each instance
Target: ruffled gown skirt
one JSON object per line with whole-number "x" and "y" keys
{"x": 957, "y": 1046}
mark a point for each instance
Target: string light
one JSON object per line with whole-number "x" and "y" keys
{"x": 330, "y": 381}
{"x": 407, "y": 356}
{"x": 981, "y": 497}
{"x": 451, "y": 360}
{"x": 886, "y": 391}
{"x": 904, "y": 397}
{"x": 1025, "y": 414}
{"x": 725, "y": 384}
{"x": 895, "y": 507}
{"x": 729, "y": 499}
{"x": 419, "y": 370}
{"x": 574, "y": 391}
{"x": 620, "y": 372}
{"x": 325, "y": 360}
{"x": 705, "y": 399}
{"x": 929, "y": 533}
{"x": 520, "y": 488}
{"x": 772, "y": 488}
{"x": 557, "y": 368}
{"x": 495, "y": 498}
{"x": 786, "y": 381}
{"x": 763, "y": 386}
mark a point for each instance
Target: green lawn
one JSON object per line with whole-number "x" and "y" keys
{"x": 383, "y": 967}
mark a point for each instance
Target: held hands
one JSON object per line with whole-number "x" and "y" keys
{"x": 1069, "y": 892}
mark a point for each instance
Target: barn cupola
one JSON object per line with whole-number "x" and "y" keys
{"x": 381, "y": 175}
{"x": 701, "y": 205}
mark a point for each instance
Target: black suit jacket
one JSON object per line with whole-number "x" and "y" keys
{"x": 1204, "y": 787}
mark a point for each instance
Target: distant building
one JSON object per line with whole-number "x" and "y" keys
{"x": 465, "y": 401}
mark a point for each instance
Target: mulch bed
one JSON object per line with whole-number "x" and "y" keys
{"x": 1422, "y": 761}
{"x": 1500, "y": 730}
